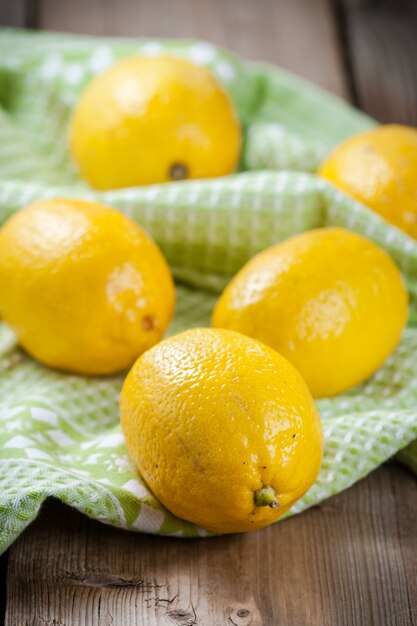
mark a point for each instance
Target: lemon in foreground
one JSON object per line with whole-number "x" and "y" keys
{"x": 222, "y": 428}
{"x": 83, "y": 287}
{"x": 154, "y": 119}
{"x": 329, "y": 300}
{"x": 379, "y": 168}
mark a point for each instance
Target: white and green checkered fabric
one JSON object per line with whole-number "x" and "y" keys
{"x": 60, "y": 434}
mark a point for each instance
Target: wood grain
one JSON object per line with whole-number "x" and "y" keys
{"x": 12, "y": 13}
{"x": 382, "y": 48}
{"x": 3, "y": 575}
{"x": 299, "y": 35}
{"x": 18, "y": 13}
{"x": 349, "y": 562}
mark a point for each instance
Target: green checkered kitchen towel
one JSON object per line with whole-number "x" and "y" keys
{"x": 59, "y": 434}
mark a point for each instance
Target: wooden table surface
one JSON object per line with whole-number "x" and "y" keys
{"x": 351, "y": 561}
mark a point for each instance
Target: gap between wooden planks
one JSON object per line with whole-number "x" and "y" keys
{"x": 299, "y": 35}
{"x": 381, "y": 54}
{"x": 334, "y": 574}
{"x": 350, "y": 561}
{"x": 259, "y": 31}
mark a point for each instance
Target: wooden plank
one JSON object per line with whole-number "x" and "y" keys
{"x": 12, "y": 13}
{"x": 299, "y": 35}
{"x": 382, "y": 47}
{"x": 3, "y": 574}
{"x": 18, "y": 13}
{"x": 350, "y": 561}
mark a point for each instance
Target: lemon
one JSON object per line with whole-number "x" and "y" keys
{"x": 379, "y": 168}
{"x": 154, "y": 119}
{"x": 222, "y": 428}
{"x": 329, "y": 300}
{"x": 83, "y": 287}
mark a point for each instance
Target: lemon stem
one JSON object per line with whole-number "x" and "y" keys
{"x": 266, "y": 496}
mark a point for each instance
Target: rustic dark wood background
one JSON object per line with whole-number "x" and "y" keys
{"x": 349, "y": 562}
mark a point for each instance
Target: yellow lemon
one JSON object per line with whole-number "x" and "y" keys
{"x": 379, "y": 168}
{"x": 332, "y": 302}
{"x": 222, "y": 428}
{"x": 83, "y": 287}
{"x": 154, "y": 119}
